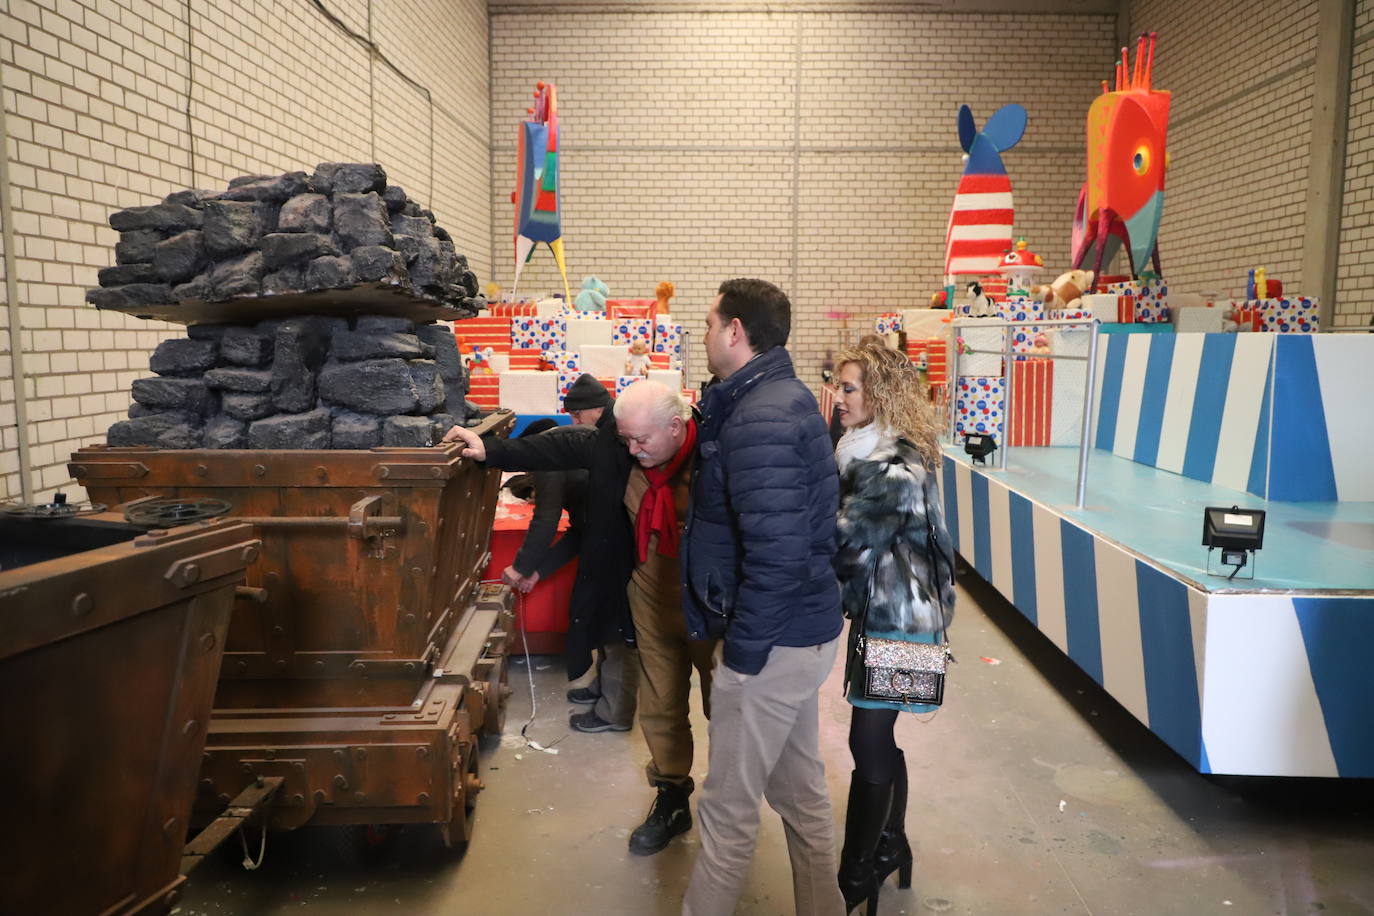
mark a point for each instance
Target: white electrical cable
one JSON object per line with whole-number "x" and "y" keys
{"x": 529, "y": 672}
{"x": 248, "y": 862}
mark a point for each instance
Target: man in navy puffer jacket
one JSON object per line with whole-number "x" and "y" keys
{"x": 756, "y": 567}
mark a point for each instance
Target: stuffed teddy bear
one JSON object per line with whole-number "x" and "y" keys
{"x": 663, "y": 292}
{"x": 1066, "y": 291}
{"x": 638, "y": 363}
{"x": 592, "y": 298}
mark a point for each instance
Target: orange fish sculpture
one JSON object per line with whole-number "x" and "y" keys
{"x": 1123, "y": 198}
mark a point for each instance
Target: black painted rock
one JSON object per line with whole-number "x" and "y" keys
{"x": 197, "y": 289}
{"x": 429, "y": 388}
{"x": 414, "y": 226}
{"x": 282, "y": 248}
{"x": 329, "y": 273}
{"x": 225, "y": 432}
{"x": 180, "y": 257}
{"x": 377, "y": 264}
{"x": 289, "y": 279}
{"x": 348, "y": 177}
{"x": 137, "y": 246}
{"x": 158, "y": 430}
{"x": 182, "y": 356}
{"x": 306, "y": 213}
{"x": 361, "y": 219}
{"x": 385, "y": 324}
{"x": 294, "y": 431}
{"x": 233, "y": 378}
{"x": 246, "y": 347}
{"x": 274, "y": 189}
{"x": 381, "y": 386}
{"x": 445, "y": 345}
{"x": 240, "y": 276}
{"x": 300, "y": 348}
{"x": 356, "y": 430}
{"x": 121, "y": 274}
{"x": 354, "y": 346}
{"x": 408, "y": 432}
{"x": 247, "y": 406}
{"x": 163, "y": 217}
{"x": 394, "y": 198}
{"x": 206, "y": 331}
{"x": 188, "y": 394}
{"x": 232, "y": 226}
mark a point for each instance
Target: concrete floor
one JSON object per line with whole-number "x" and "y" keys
{"x": 1033, "y": 793}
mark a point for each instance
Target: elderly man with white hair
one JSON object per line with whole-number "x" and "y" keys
{"x": 647, "y": 464}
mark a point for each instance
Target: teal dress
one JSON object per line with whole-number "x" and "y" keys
{"x": 855, "y": 696}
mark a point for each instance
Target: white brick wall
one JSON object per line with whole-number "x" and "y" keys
{"x": 861, "y": 106}
{"x": 95, "y": 93}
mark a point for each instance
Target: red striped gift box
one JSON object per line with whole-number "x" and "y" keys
{"x": 1032, "y": 400}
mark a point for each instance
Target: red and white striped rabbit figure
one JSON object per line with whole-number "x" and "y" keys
{"x": 980, "y": 222}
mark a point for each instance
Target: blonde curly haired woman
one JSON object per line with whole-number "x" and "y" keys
{"x": 896, "y": 568}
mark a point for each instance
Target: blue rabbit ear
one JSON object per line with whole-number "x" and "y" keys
{"x": 966, "y": 129}
{"x": 1006, "y": 126}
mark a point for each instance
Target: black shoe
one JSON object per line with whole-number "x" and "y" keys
{"x": 869, "y": 804}
{"x": 669, "y": 816}
{"x": 590, "y": 722}
{"x": 583, "y": 696}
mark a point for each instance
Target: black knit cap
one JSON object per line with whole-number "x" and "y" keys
{"x": 586, "y": 393}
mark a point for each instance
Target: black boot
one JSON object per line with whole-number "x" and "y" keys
{"x": 669, "y": 816}
{"x": 863, "y": 822}
{"x": 894, "y": 852}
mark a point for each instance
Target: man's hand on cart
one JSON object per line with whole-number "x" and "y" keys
{"x": 472, "y": 443}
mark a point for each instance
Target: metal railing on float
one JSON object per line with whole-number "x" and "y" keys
{"x": 1008, "y": 356}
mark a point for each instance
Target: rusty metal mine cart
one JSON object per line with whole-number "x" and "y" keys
{"x": 110, "y": 644}
{"x": 365, "y": 657}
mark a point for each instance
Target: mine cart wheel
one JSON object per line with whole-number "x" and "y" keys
{"x": 494, "y": 696}
{"x": 467, "y": 782}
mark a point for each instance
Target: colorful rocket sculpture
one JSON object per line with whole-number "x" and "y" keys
{"x": 536, "y": 192}
{"x": 980, "y": 221}
{"x": 1123, "y": 198}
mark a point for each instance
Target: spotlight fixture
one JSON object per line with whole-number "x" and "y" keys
{"x": 979, "y": 446}
{"x": 1237, "y": 533}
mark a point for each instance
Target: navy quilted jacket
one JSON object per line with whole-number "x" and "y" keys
{"x": 760, "y": 536}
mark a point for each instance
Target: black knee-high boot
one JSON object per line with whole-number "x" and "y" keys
{"x": 863, "y": 823}
{"x": 894, "y": 852}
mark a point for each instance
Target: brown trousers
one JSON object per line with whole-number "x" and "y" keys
{"x": 666, "y": 660}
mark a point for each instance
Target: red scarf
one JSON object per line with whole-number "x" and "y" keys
{"x": 657, "y": 514}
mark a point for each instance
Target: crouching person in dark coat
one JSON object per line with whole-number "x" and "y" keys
{"x": 757, "y": 572}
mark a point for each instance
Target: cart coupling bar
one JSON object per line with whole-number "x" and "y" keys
{"x": 357, "y": 528}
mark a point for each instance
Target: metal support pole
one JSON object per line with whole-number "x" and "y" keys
{"x": 21, "y": 413}
{"x": 1085, "y": 441}
{"x": 1006, "y": 396}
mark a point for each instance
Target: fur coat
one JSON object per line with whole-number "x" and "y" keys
{"x": 890, "y": 513}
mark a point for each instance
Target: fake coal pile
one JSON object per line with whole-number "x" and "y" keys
{"x": 294, "y": 233}
{"x": 300, "y": 383}
{"x": 308, "y": 298}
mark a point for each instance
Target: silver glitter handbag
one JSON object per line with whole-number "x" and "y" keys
{"x": 899, "y": 671}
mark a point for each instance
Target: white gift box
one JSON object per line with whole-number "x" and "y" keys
{"x": 604, "y": 360}
{"x": 529, "y": 392}
{"x": 922, "y": 324}
{"x": 670, "y": 377}
{"x": 987, "y": 344}
{"x": 1207, "y": 320}
{"x": 583, "y": 331}
{"x": 1101, "y": 306}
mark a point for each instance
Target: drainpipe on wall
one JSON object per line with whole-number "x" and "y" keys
{"x": 21, "y": 414}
